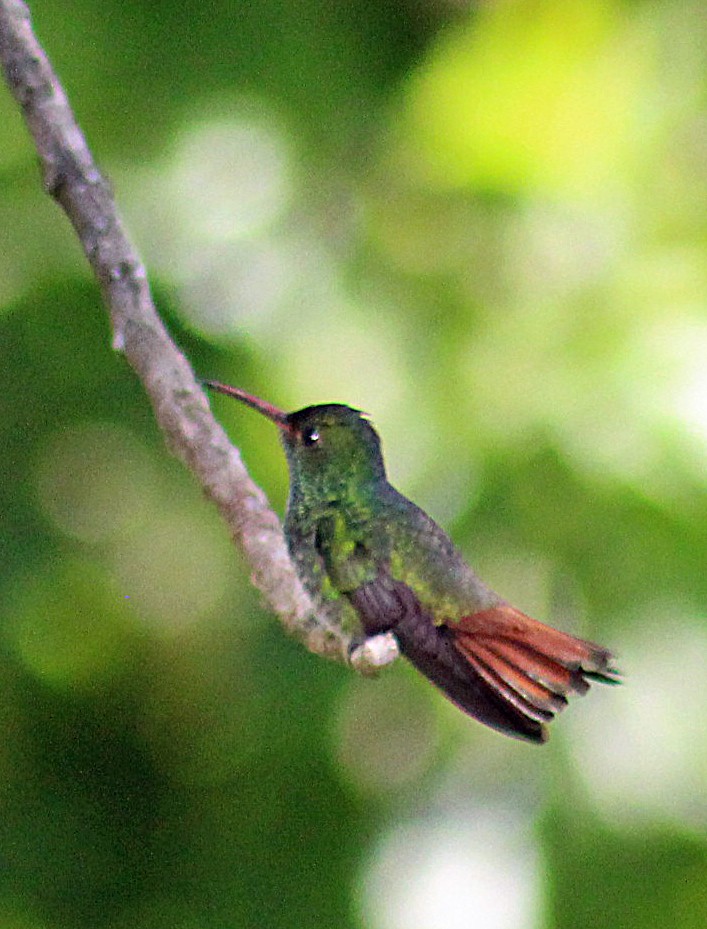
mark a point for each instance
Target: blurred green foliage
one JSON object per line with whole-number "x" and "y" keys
{"x": 486, "y": 225}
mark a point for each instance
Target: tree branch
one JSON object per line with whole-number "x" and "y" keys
{"x": 182, "y": 411}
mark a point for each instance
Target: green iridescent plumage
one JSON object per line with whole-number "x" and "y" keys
{"x": 378, "y": 563}
{"x": 344, "y": 520}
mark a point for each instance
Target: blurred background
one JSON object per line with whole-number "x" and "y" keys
{"x": 486, "y": 225}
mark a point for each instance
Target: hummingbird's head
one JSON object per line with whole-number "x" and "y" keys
{"x": 332, "y": 445}
{"x": 328, "y": 447}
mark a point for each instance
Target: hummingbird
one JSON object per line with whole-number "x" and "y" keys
{"x": 388, "y": 567}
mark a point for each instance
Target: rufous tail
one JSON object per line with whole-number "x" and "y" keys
{"x": 531, "y": 669}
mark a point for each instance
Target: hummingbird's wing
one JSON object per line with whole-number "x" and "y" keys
{"x": 499, "y": 666}
{"x": 386, "y": 603}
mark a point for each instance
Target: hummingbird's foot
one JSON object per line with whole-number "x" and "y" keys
{"x": 368, "y": 655}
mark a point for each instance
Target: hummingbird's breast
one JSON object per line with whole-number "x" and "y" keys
{"x": 305, "y": 518}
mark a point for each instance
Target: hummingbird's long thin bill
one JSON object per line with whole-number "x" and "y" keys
{"x": 278, "y": 416}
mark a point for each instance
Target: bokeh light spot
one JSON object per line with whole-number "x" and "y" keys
{"x": 96, "y": 482}
{"x": 509, "y": 101}
{"x": 69, "y": 625}
{"x": 176, "y": 569}
{"x": 231, "y": 176}
{"x": 386, "y": 732}
{"x": 648, "y": 761}
{"x": 479, "y": 867}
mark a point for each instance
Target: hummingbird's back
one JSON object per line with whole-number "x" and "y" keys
{"x": 424, "y": 557}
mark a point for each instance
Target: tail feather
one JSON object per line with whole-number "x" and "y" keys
{"x": 530, "y": 666}
{"x": 516, "y": 679}
{"x": 499, "y": 678}
{"x": 539, "y": 667}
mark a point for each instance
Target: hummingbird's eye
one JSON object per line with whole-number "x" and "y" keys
{"x": 310, "y": 437}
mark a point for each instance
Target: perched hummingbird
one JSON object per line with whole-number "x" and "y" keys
{"x": 357, "y": 541}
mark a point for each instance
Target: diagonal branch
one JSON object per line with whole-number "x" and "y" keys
{"x": 72, "y": 178}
